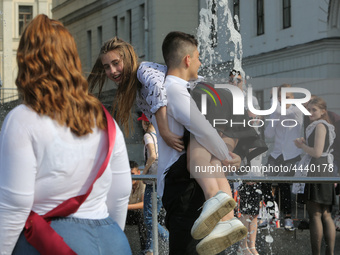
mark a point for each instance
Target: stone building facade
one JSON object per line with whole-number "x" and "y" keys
{"x": 14, "y": 15}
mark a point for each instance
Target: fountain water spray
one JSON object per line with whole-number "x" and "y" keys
{"x": 212, "y": 45}
{"x": 210, "y": 23}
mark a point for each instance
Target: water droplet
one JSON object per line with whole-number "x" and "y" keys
{"x": 270, "y": 204}
{"x": 269, "y": 239}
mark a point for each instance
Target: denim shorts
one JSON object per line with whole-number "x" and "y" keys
{"x": 84, "y": 237}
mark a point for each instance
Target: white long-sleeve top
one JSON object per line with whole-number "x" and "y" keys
{"x": 183, "y": 112}
{"x": 43, "y": 164}
{"x": 285, "y": 135}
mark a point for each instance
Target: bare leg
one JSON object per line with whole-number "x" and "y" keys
{"x": 217, "y": 211}
{"x": 252, "y": 232}
{"x": 210, "y": 182}
{"x": 223, "y": 185}
{"x": 198, "y": 165}
{"x": 328, "y": 229}
{"x": 243, "y": 247}
{"x": 206, "y": 170}
{"x": 231, "y": 144}
{"x": 315, "y": 226}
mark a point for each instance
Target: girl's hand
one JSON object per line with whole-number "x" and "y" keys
{"x": 173, "y": 141}
{"x": 299, "y": 142}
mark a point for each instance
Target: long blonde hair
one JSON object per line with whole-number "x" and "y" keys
{"x": 127, "y": 89}
{"x": 50, "y": 79}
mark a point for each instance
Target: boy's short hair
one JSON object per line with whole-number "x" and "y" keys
{"x": 176, "y": 45}
{"x": 133, "y": 164}
{"x": 285, "y": 85}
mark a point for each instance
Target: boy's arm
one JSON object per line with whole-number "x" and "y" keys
{"x": 186, "y": 112}
{"x": 235, "y": 161}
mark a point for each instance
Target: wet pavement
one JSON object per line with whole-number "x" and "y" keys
{"x": 283, "y": 242}
{"x": 270, "y": 240}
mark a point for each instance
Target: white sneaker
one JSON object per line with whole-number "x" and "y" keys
{"x": 225, "y": 234}
{"x": 214, "y": 209}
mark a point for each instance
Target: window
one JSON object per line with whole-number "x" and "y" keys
{"x": 236, "y": 13}
{"x": 260, "y": 17}
{"x": 260, "y": 97}
{"x": 25, "y": 16}
{"x": 129, "y": 20}
{"x": 141, "y": 30}
{"x": 259, "y": 94}
{"x": 99, "y": 36}
{"x": 213, "y": 33}
{"x": 89, "y": 49}
{"x": 115, "y": 26}
{"x": 286, "y": 13}
{"x": 121, "y": 28}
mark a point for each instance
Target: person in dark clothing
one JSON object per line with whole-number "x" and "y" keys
{"x": 319, "y": 197}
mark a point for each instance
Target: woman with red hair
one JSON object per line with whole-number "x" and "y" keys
{"x": 54, "y": 148}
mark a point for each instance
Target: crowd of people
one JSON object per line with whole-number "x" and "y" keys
{"x": 65, "y": 179}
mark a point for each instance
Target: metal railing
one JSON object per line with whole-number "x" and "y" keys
{"x": 271, "y": 179}
{"x": 284, "y": 179}
{"x": 8, "y": 94}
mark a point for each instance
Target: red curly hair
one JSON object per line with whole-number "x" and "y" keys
{"x": 50, "y": 78}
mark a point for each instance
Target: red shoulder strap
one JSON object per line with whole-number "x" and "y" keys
{"x": 38, "y": 231}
